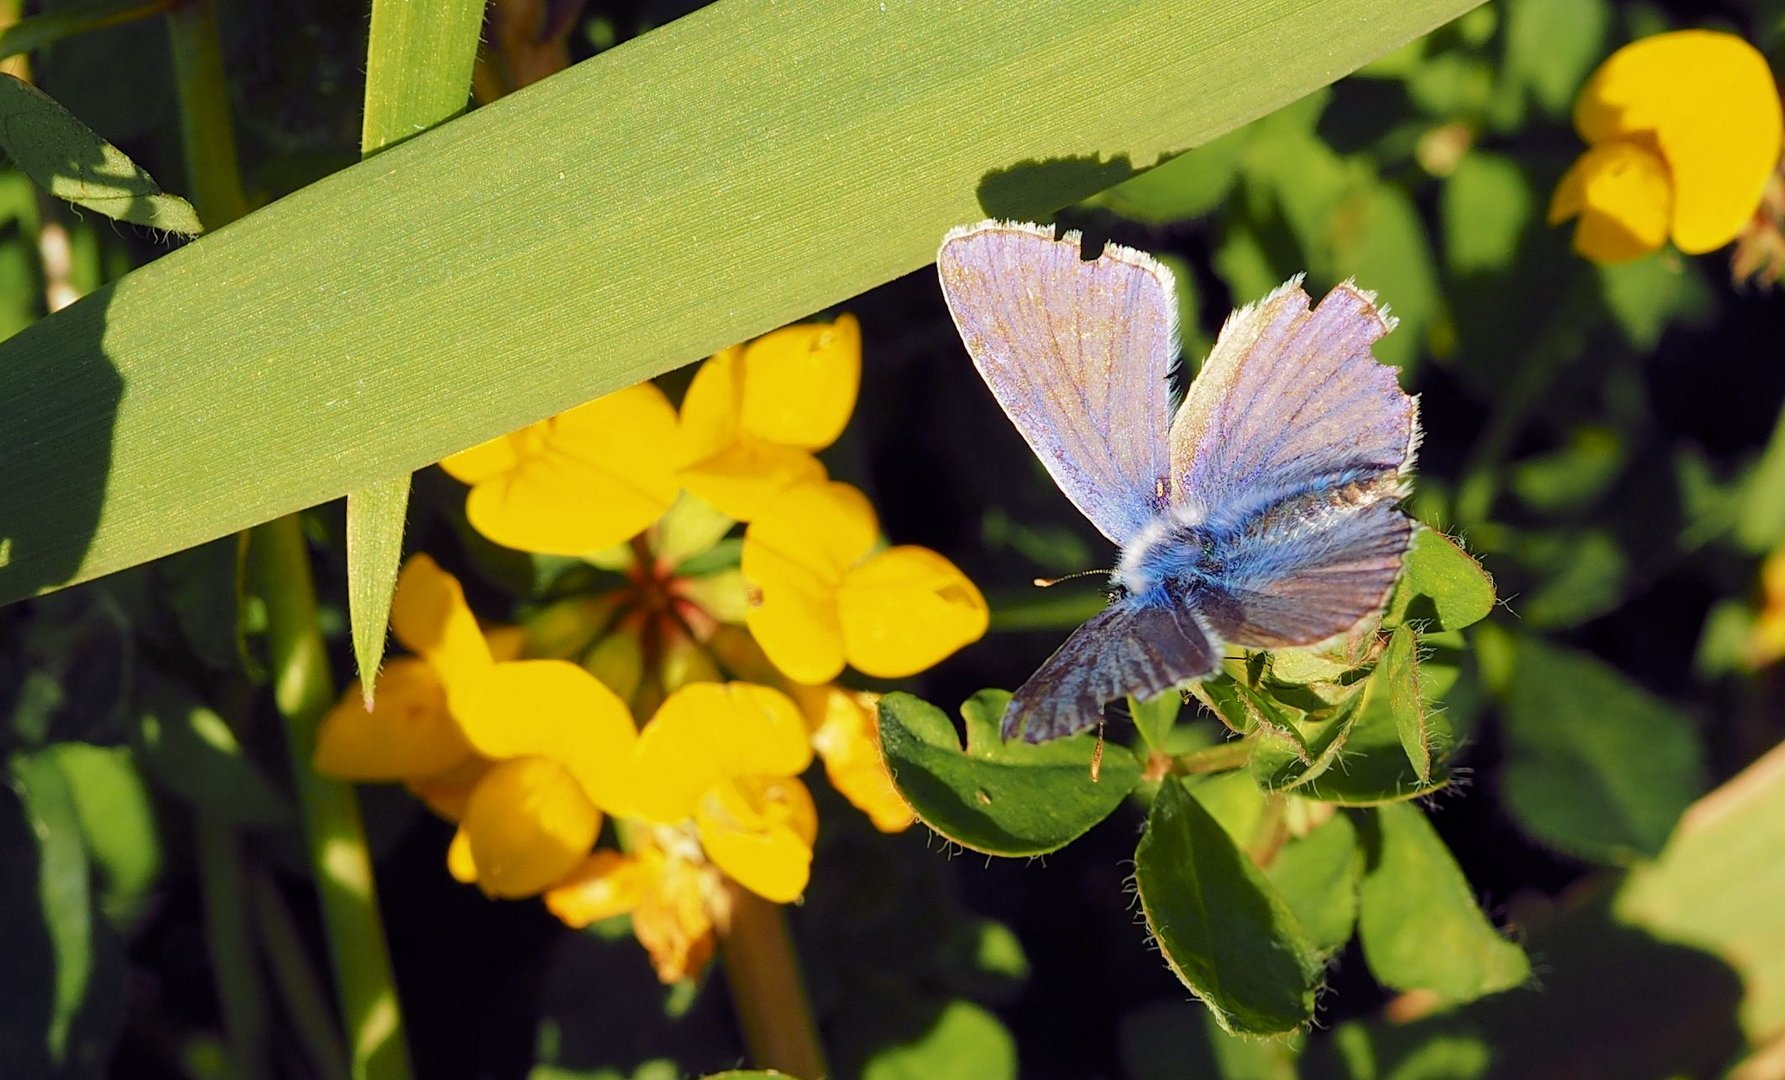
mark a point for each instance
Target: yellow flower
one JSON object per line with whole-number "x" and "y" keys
{"x": 1766, "y": 640}
{"x": 824, "y": 597}
{"x": 715, "y": 795}
{"x": 1684, "y": 130}
{"x": 847, "y": 736}
{"x": 580, "y": 481}
{"x": 755, "y": 413}
{"x": 525, "y": 753}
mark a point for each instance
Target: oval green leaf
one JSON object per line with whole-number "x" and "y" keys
{"x": 1442, "y": 586}
{"x": 1219, "y": 923}
{"x": 1417, "y": 917}
{"x": 996, "y": 797}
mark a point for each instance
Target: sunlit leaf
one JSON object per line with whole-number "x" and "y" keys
{"x": 1442, "y": 587}
{"x": 1417, "y": 917}
{"x": 1317, "y": 876}
{"x": 1219, "y": 923}
{"x": 1000, "y": 798}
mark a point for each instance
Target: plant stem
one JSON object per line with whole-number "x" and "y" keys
{"x": 767, "y": 989}
{"x": 223, "y": 882}
{"x": 279, "y": 566}
{"x": 301, "y": 991}
{"x": 1210, "y": 759}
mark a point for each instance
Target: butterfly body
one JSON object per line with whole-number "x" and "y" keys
{"x": 1263, "y": 514}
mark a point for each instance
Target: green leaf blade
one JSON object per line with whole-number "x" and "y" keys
{"x": 994, "y": 797}
{"x": 1221, "y": 926}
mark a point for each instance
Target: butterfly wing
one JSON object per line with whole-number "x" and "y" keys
{"x": 1127, "y": 648}
{"x": 1077, "y": 354}
{"x": 1294, "y": 443}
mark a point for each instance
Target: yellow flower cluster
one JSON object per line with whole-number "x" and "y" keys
{"x": 530, "y": 756}
{"x": 1683, "y": 132}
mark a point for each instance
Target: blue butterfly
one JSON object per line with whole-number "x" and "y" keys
{"x": 1263, "y": 515}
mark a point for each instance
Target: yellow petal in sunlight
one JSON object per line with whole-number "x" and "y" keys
{"x": 607, "y": 883}
{"x": 905, "y": 609}
{"x": 1705, "y": 102}
{"x": 429, "y": 616}
{"x": 800, "y": 382}
{"x": 556, "y": 710}
{"x": 797, "y": 556}
{"x": 759, "y": 830}
{"x": 1624, "y": 198}
{"x": 705, "y": 733}
{"x": 587, "y": 479}
{"x": 743, "y": 479}
{"x": 408, "y": 734}
{"x": 847, "y": 737}
{"x": 488, "y": 459}
{"x": 528, "y": 824}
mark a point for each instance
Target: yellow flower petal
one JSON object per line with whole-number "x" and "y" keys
{"x": 487, "y": 459}
{"x": 905, "y": 609}
{"x": 674, "y": 919}
{"x": 429, "y": 616}
{"x": 448, "y": 793}
{"x": 759, "y": 830}
{"x": 708, "y": 421}
{"x": 607, "y": 883}
{"x": 800, "y": 382}
{"x": 707, "y": 732}
{"x": 529, "y": 824}
{"x": 1706, "y": 101}
{"x": 1624, "y": 198}
{"x": 598, "y": 474}
{"x": 407, "y": 734}
{"x": 848, "y": 739}
{"x": 744, "y": 478}
{"x": 556, "y": 710}
{"x": 797, "y": 556}
{"x": 459, "y": 861}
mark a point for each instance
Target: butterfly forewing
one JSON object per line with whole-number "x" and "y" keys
{"x": 1288, "y": 400}
{"x": 1077, "y": 353}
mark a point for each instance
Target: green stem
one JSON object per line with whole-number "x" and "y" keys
{"x": 1218, "y": 758}
{"x": 279, "y": 569}
{"x": 223, "y": 882}
{"x": 767, "y": 989}
{"x": 301, "y": 991}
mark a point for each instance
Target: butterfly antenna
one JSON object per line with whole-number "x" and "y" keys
{"x": 1044, "y": 582}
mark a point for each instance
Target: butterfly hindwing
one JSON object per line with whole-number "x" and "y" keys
{"x": 1127, "y": 648}
{"x": 1077, "y": 354}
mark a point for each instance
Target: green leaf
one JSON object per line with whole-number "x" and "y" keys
{"x": 1762, "y": 521}
{"x": 567, "y": 250}
{"x": 1595, "y": 766}
{"x": 375, "y": 519}
{"x": 66, "y": 981}
{"x": 1442, "y": 587}
{"x": 1485, "y": 206}
{"x": 1219, "y": 923}
{"x": 190, "y": 751}
{"x": 1317, "y": 876}
{"x": 65, "y": 158}
{"x": 1417, "y": 917}
{"x": 964, "y": 1042}
{"x": 1375, "y": 766}
{"x": 118, "y": 823}
{"x": 1286, "y": 758}
{"x": 1155, "y": 717}
{"x": 75, "y": 17}
{"x": 1551, "y": 45}
{"x": 1399, "y": 668}
{"x": 1188, "y": 186}
{"x": 1650, "y": 294}
{"x": 997, "y": 797}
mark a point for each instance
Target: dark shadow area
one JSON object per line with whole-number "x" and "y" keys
{"x": 60, "y": 396}
{"x": 1609, "y": 1001}
{"x": 1032, "y": 189}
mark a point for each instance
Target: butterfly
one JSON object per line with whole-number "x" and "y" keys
{"x": 1264, "y": 514}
